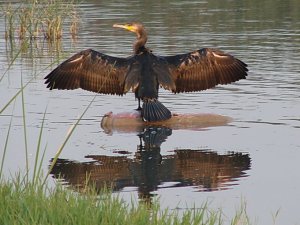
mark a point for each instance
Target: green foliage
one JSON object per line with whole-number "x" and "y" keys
{"x": 23, "y": 202}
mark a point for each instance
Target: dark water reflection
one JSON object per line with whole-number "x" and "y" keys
{"x": 148, "y": 170}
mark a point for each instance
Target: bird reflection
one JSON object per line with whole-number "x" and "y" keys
{"x": 149, "y": 171}
{"x": 146, "y": 171}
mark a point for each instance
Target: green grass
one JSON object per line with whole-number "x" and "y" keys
{"x": 23, "y": 202}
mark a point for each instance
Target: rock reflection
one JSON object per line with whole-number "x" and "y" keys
{"x": 148, "y": 170}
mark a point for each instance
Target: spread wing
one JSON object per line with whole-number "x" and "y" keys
{"x": 204, "y": 69}
{"x": 92, "y": 71}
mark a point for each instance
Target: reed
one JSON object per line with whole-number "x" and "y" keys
{"x": 23, "y": 202}
{"x": 69, "y": 134}
{"x": 40, "y": 19}
{"x": 24, "y": 126}
{"x": 5, "y": 145}
{"x": 38, "y": 162}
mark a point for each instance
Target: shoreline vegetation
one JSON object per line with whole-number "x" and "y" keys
{"x": 28, "y": 199}
{"x": 24, "y": 202}
{"x": 34, "y": 19}
{"x": 30, "y": 26}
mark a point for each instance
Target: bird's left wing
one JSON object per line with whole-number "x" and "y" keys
{"x": 204, "y": 69}
{"x": 92, "y": 71}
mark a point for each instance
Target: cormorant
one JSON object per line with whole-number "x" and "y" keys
{"x": 144, "y": 73}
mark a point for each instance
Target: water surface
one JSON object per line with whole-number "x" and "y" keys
{"x": 255, "y": 157}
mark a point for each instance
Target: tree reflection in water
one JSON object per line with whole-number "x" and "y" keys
{"x": 205, "y": 170}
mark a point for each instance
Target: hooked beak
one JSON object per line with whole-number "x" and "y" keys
{"x": 126, "y": 27}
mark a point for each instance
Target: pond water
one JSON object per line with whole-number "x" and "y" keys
{"x": 254, "y": 158}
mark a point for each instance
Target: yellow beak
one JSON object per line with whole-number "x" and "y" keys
{"x": 126, "y": 27}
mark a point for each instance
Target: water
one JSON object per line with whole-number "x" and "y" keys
{"x": 254, "y": 158}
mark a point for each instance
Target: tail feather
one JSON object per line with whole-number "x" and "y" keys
{"x": 153, "y": 110}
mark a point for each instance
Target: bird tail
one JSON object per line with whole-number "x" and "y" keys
{"x": 153, "y": 110}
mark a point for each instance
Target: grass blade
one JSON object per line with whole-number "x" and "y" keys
{"x": 6, "y": 144}
{"x": 24, "y": 86}
{"x": 10, "y": 64}
{"x": 35, "y": 171}
{"x": 69, "y": 134}
{"x": 24, "y": 126}
{"x": 15, "y": 96}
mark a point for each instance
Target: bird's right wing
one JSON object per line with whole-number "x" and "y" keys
{"x": 92, "y": 71}
{"x": 204, "y": 69}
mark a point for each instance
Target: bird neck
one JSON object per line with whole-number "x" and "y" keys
{"x": 139, "y": 45}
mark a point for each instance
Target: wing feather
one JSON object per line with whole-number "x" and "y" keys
{"x": 92, "y": 71}
{"x": 204, "y": 69}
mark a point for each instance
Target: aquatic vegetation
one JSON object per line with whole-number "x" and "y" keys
{"x": 40, "y": 19}
{"x": 33, "y": 26}
{"x": 23, "y": 202}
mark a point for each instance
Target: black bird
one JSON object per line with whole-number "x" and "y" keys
{"x": 144, "y": 73}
